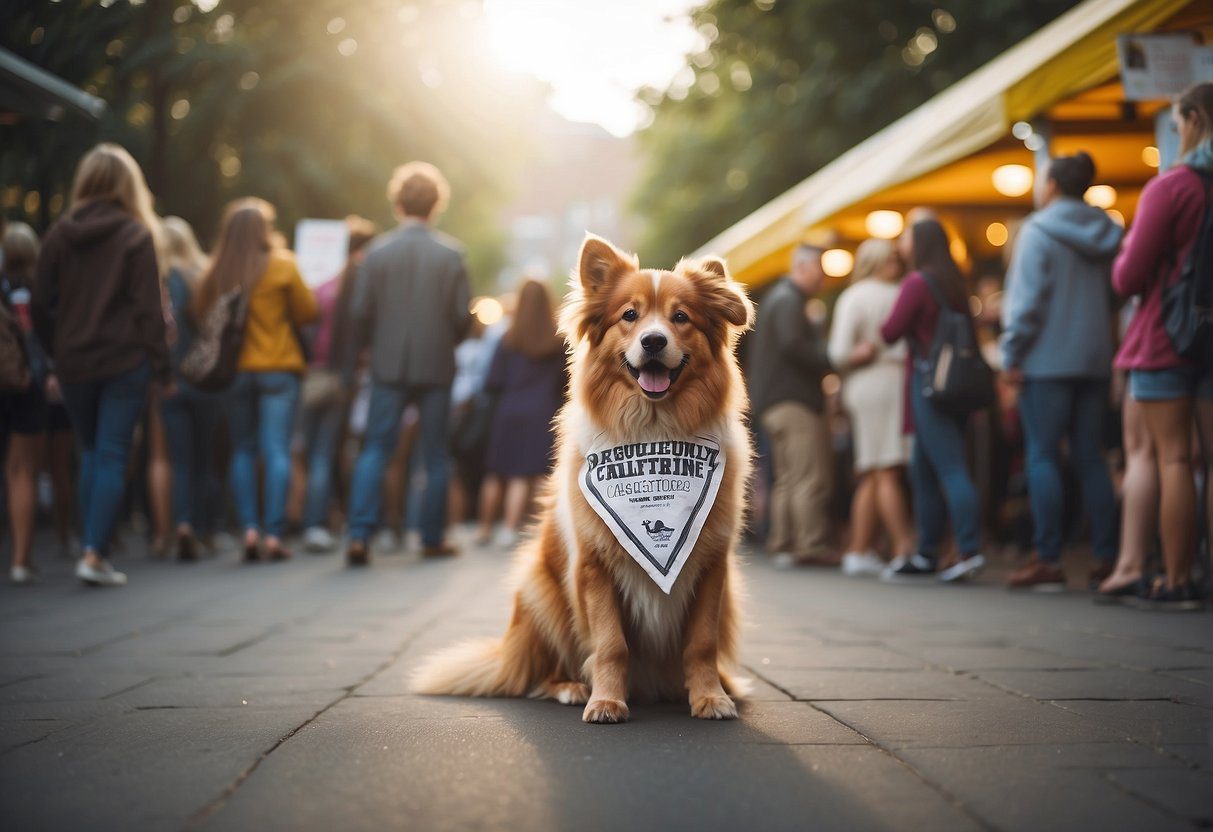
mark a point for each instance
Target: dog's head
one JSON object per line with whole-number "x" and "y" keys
{"x": 653, "y": 343}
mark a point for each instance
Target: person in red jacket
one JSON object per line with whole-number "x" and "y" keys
{"x": 1169, "y": 388}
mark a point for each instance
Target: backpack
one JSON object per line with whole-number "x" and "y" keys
{"x": 958, "y": 380}
{"x": 210, "y": 363}
{"x": 1187, "y": 304}
{"x": 14, "y": 366}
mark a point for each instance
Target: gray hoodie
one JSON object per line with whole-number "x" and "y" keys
{"x": 1057, "y": 312}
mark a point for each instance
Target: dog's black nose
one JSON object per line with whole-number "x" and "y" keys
{"x": 653, "y": 343}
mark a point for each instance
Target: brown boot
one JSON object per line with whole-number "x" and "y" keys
{"x": 442, "y": 550}
{"x": 357, "y": 554}
{"x": 1038, "y": 576}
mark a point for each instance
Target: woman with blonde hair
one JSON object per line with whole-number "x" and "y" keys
{"x": 527, "y": 377}
{"x": 872, "y": 396}
{"x": 189, "y": 417}
{"x": 261, "y": 402}
{"x": 97, "y": 308}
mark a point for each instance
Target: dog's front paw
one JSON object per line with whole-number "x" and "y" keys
{"x": 605, "y": 711}
{"x": 716, "y": 706}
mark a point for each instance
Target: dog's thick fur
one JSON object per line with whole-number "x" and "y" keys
{"x": 588, "y": 624}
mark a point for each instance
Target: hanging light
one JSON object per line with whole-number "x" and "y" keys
{"x": 1101, "y": 196}
{"x": 885, "y": 224}
{"x": 1012, "y": 180}
{"x": 1117, "y": 217}
{"x": 487, "y": 310}
{"x": 997, "y": 234}
{"x": 837, "y": 262}
{"x": 1151, "y": 156}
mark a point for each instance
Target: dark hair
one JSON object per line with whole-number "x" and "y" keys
{"x": 1198, "y": 99}
{"x": 933, "y": 256}
{"x": 1073, "y": 174}
{"x": 419, "y": 189}
{"x": 533, "y": 332}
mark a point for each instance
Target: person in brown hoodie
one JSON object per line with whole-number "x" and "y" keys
{"x": 97, "y": 307}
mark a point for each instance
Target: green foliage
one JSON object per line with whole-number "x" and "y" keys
{"x": 307, "y": 104}
{"x": 785, "y": 86}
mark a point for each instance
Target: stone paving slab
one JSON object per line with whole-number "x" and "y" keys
{"x": 875, "y": 707}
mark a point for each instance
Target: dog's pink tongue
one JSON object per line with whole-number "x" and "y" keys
{"x": 655, "y": 381}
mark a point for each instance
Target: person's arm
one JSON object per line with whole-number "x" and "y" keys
{"x": 461, "y": 316}
{"x": 144, "y": 289}
{"x": 1148, "y": 243}
{"x": 797, "y": 338}
{"x": 842, "y": 332}
{"x": 300, "y": 301}
{"x": 1029, "y": 285}
{"x": 44, "y": 300}
{"x": 905, "y": 311}
{"x": 359, "y": 321}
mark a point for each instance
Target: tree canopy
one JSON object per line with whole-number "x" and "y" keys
{"x": 307, "y": 104}
{"x": 783, "y": 87}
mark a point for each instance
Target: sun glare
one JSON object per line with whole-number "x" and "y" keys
{"x": 594, "y": 54}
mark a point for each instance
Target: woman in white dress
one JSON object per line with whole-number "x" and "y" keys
{"x": 873, "y": 395}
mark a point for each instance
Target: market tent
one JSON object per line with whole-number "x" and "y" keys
{"x": 942, "y": 153}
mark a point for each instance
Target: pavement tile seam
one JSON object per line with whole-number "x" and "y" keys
{"x": 1132, "y": 794}
{"x": 210, "y": 809}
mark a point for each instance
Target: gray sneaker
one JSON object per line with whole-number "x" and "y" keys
{"x": 104, "y": 575}
{"x": 963, "y": 570}
{"x": 318, "y": 539}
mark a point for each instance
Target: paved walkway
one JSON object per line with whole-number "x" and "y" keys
{"x": 220, "y": 696}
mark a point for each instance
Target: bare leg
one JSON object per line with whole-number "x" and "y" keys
{"x": 517, "y": 490}
{"x": 490, "y": 499}
{"x": 21, "y": 471}
{"x": 1139, "y": 501}
{"x": 159, "y": 480}
{"x": 893, "y": 509}
{"x": 863, "y": 515}
{"x": 60, "y": 445}
{"x": 1170, "y": 426}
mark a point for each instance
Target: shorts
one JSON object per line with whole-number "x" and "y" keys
{"x": 29, "y": 413}
{"x": 1171, "y": 383}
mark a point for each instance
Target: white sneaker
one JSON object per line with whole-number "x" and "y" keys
{"x": 862, "y": 564}
{"x": 963, "y": 570}
{"x": 104, "y": 575}
{"x": 385, "y": 541}
{"x": 24, "y": 575}
{"x": 783, "y": 560}
{"x": 318, "y": 539}
{"x": 505, "y": 538}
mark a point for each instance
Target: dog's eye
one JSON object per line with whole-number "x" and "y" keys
{"x": 680, "y": 317}
{"x": 630, "y": 315}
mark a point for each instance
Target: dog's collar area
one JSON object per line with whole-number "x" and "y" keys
{"x": 655, "y": 379}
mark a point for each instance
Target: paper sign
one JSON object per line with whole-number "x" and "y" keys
{"x": 321, "y": 248}
{"x": 655, "y": 498}
{"x": 1160, "y": 66}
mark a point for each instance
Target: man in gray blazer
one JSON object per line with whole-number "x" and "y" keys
{"x": 410, "y": 304}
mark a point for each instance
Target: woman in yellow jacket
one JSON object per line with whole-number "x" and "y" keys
{"x": 261, "y": 402}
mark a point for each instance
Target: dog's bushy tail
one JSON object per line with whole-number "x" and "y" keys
{"x": 511, "y": 666}
{"x": 470, "y": 668}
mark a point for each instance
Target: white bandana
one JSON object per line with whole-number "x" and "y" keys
{"x": 655, "y": 497}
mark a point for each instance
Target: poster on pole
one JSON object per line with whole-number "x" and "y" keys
{"x": 320, "y": 249}
{"x": 1160, "y": 66}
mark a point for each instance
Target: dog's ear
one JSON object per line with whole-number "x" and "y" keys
{"x": 723, "y": 295}
{"x": 600, "y": 264}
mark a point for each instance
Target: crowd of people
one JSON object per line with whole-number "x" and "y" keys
{"x": 108, "y": 317}
{"x": 907, "y": 316}
{"x": 377, "y": 402}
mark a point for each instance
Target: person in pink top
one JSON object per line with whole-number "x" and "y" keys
{"x": 1169, "y": 388}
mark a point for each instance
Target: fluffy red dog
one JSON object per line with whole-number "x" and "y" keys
{"x": 654, "y": 382}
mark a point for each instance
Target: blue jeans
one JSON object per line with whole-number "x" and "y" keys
{"x": 382, "y": 430}
{"x": 261, "y": 413}
{"x": 319, "y": 428}
{"x": 191, "y": 418}
{"x": 1053, "y": 410}
{"x": 941, "y": 481}
{"x": 104, "y": 413}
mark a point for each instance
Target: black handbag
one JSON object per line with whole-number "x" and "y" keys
{"x": 212, "y": 360}
{"x": 958, "y": 379}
